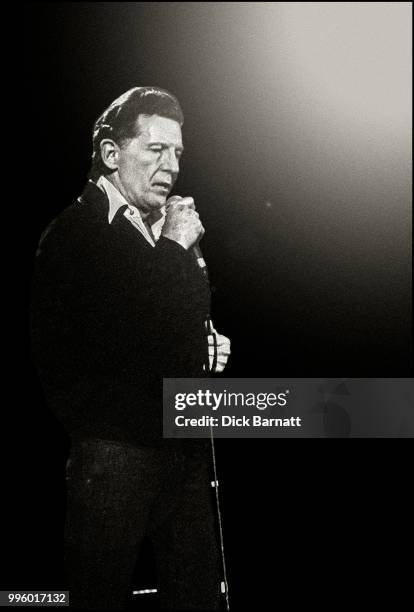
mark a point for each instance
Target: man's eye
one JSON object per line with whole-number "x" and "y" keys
{"x": 156, "y": 149}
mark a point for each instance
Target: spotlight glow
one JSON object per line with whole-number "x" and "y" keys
{"x": 354, "y": 56}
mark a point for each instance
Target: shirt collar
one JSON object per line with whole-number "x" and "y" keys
{"x": 117, "y": 200}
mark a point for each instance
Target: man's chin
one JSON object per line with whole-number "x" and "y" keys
{"x": 156, "y": 201}
{"x": 156, "y": 204}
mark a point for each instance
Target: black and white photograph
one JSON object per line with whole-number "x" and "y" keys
{"x": 217, "y": 246}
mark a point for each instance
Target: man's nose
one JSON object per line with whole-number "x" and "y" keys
{"x": 170, "y": 161}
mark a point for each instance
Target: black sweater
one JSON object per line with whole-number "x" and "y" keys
{"x": 112, "y": 316}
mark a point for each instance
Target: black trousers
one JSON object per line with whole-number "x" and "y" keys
{"x": 116, "y": 495}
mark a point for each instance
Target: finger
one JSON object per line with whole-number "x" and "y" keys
{"x": 220, "y": 364}
{"x": 187, "y": 202}
{"x": 224, "y": 349}
{"x": 200, "y": 230}
{"x": 225, "y": 346}
{"x": 222, "y": 339}
{"x": 224, "y": 353}
{"x": 223, "y": 359}
{"x": 221, "y": 350}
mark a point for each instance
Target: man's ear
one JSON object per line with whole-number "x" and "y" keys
{"x": 110, "y": 153}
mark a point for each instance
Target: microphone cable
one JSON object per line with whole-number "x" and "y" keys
{"x": 215, "y": 483}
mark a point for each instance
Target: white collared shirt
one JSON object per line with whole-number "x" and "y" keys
{"x": 116, "y": 200}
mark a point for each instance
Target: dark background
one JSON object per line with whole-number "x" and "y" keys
{"x": 311, "y": 275}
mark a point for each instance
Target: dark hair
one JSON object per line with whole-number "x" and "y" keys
{"x": 118, "y": 121}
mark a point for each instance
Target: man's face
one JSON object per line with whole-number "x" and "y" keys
{"x": 148, "y": 164}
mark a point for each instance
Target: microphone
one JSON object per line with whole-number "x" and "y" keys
{"x": 196, "y": 247}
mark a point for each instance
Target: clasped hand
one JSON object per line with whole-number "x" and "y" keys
{"x": 223, "y": 350}
{"x": 182, "y": 223}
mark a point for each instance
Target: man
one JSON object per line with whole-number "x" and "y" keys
{"x": 119, "y": 302}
